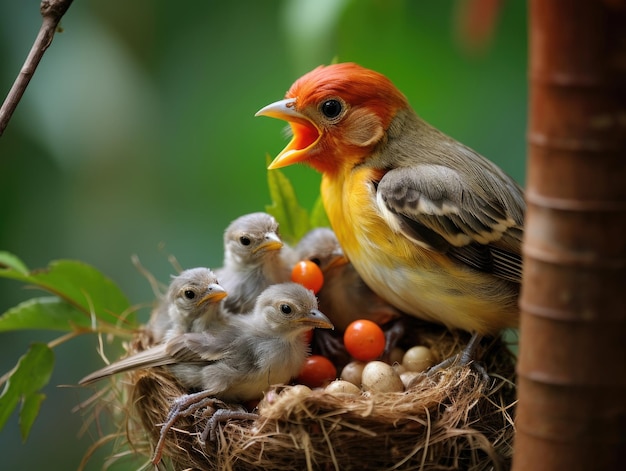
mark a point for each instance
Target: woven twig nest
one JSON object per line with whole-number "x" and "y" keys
{"x": 452, "y": 420}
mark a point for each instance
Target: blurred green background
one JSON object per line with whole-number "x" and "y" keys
{"x": 137, "y": 136}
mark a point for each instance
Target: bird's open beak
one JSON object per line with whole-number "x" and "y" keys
{"x": 272, "y": 242}
{"x": 305, "y": 133}
{"x": 338, "y": 259}
{"x": 316, "y": 319}
{"x": 216, "y": 293}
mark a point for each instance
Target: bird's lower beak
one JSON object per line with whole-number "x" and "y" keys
{"x": 305, "y": 133}
{"x": 316, "y": 319}
{"x": 216, "y": 293}
{"x": 272, "y": 242}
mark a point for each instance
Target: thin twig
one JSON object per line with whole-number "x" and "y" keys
{"x": 51, "y": 11}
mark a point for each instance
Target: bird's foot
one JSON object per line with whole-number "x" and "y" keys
{"x": 467, "y": 357}
{"x": 394, "y": 332}
{"x": 182, "y": 406}
{"x": 221, "y": 416}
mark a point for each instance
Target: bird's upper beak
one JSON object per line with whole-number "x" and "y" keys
{"x": 316, "y": 319}
{"x": 272, "y": 242}
{"x": 216, "y": 293}
{"x": 305, "y": 133}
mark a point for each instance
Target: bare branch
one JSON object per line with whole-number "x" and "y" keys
{"x": 51, "y": 11}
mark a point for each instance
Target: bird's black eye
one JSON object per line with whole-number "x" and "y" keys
{"x": 189, "y": 294}
{"x": 317, "y": 261}
{"x": 244, "y": 240}
{"x": 285, "y": 308}
{"x": 331, "y": 108}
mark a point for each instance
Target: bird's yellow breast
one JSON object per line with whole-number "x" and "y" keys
{"x": 417, "y": 281}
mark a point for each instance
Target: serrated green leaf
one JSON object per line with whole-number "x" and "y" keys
{"x": 10, "y": 261}
{"x": 46, "y": 313}
{"x": 29, "y": 412}
{"x": 32, "y": 372}
{"x": 292, "y": 218}
{"x": 80, "y": 285}
{"x": 319, "y": 218}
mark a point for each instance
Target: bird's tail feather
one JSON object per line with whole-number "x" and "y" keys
{"x": 155, "y": 356}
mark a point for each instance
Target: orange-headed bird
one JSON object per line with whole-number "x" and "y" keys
{"x": 429, "y": 224}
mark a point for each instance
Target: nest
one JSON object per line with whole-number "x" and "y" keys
{"x": 450, "y": 420}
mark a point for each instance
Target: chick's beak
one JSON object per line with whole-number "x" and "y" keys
{"x": 271, "y": 242}
{"x": 338, "y": 259}
{"x": 216, "y": 293}
{"x": 305, "y": 133}
{"x": 316, "y": 319}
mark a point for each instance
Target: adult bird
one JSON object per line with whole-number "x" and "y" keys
{"x": 431, "y": 226}
{"x": 192, "y": 304}
{"x": 253, "y": 260}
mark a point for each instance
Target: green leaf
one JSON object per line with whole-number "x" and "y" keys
{"x": 10, "y": 261}
{"x": 292, "y": 218}
{"x": 319, "y": 218}
{"x": 32, "y": 372}
{"x": 29, "y": 412}
{"x": 46, "y": 313}
{"x": 77, "y": 283}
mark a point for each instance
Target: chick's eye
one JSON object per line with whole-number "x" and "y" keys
{"x": 285, "y": 308}
{"x": 331, "y": 108}
{"x": 189, "y": 294}
{"x": 244, "y": 240}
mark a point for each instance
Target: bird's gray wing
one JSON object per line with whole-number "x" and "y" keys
{"x": 200, "y": 347}
{"x": 439, "y": 209}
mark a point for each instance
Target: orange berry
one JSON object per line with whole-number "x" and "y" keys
{"x": 308, "y": 274}
{"x": 364, "y": 340}
{"x": 317, "y": 371}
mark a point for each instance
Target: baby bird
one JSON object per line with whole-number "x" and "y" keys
{"x": 239, "y": 361}
{"x": 252, "y": 260}
{"x": 192, "y": 304}
{"x": 344, "y": 297}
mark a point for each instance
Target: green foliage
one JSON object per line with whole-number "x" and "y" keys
{"x": 319, "y": 218}
{"x": 84, "y": 300}
{"x": 45, "y": 313}
{"x": 293, "y": 219}
{"x": 32, "y": 373}
{"x": 75, "y": 282}
{"x": 8, "y": 261}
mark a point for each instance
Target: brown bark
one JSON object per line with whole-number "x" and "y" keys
{"x": 572, "y": 365}
{"x": 51, "y": 12}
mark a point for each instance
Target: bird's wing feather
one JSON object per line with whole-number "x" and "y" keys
{"x": 155, "y": 356}
{"x": 198, "y": 347}
{"x": 435, "y": 207}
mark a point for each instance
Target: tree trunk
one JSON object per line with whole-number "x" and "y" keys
{"x": 572, "y": 365}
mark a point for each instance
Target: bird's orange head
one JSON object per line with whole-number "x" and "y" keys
{"x": 338, "y": 114}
